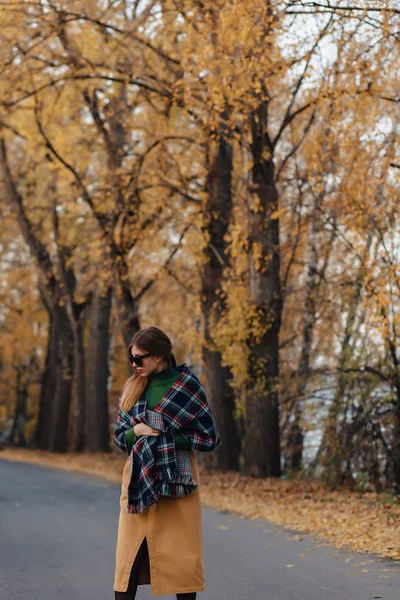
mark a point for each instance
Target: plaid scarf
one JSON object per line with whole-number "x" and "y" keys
{"x": 157, "y": 469}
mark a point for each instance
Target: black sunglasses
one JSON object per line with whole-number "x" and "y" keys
{"x": 138, "y": 359}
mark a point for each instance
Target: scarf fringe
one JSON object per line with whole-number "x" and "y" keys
{"x": 174, "y": 475}
{"x": 173, "y": 490}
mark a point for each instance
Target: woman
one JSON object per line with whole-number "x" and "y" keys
{"x": 164, "y": 417}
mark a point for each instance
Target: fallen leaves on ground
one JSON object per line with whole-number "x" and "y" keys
{"x": 366, "y": 522}
{"x": 350, "y": 520}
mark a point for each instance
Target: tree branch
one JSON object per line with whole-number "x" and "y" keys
{"x": 165, "y": 265}
{"x": 36, "y": 247}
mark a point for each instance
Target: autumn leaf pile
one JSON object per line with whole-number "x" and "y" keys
{"x": 365, "y": 522}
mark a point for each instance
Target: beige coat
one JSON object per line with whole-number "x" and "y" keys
{"x": 173, "y": 529}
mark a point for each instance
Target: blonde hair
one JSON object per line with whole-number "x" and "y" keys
{"x": 154, "y": 341}
{"x": 132, "y": 391}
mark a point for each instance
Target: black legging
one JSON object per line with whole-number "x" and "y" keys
{"x": 130, "y": 593}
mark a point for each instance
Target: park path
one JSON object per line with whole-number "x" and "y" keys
{"x": 58, "y": 534}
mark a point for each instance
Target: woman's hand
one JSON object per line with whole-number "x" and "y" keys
{"x": 142, "y": 429}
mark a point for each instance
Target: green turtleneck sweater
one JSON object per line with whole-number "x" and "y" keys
{"x": 159, "y": 384}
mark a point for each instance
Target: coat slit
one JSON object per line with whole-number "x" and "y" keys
{"x": 143, "y": 565}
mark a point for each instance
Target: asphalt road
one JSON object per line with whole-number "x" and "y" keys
{"x": 58, "y": 534}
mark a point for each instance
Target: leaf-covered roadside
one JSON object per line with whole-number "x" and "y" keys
{"x": 366, "y": 522}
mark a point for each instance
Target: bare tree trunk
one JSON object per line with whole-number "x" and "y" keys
{"x": 80, "y": 386}
{"x": 128, "y": 314}
{"x": 295, "y": 437}
{"x": 75, "y": 311}
{"x": 220, "y": 394}
{"x": 262, "y": 435}
{"x": 47, "y": 390}
{"x": 62, "y": 341}
{"x": 110, "y": 125}
{"x": 392, "y": 337}
{"x": 61, "y": 404}
{"x": 97, "y": 420}
{"x": 17, "y": 434}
